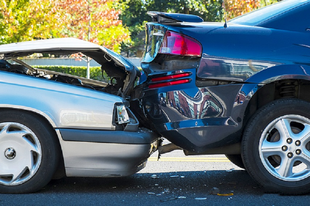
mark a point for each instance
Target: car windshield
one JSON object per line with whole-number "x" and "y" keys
{"x": 260, "y": 15}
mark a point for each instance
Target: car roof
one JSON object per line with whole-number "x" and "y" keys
{"x": 57, "y": 44}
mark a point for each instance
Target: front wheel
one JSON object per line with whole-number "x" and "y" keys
{"x": 276, "y": 147}
{"x": 28, "y": 152}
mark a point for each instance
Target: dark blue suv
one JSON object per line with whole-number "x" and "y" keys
{"x": 239, "y": 88}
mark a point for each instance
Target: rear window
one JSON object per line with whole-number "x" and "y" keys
{"x": 263, "y": 14}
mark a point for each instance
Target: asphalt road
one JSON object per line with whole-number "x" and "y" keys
{"x": 174, "y": 180}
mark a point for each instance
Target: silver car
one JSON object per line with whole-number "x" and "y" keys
{"x": 55, "y": 125}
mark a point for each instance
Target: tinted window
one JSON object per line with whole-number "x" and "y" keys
{"x": 266, "y": 13}
{"x": 295, "y": 20}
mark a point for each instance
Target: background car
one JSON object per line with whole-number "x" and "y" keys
{"x": 54, "y": 124}
{"x": 239, "y": 88}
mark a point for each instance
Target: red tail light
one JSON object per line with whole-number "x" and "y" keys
{"x": 179, "y": 44}
{"x": 169, "y": 77}
{"x": 164, "y": 84}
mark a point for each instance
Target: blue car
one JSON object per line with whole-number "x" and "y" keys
{"x": 239, "y": 88}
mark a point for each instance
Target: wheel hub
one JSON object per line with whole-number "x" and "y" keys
{"x": 10, "y": 153}
{"x": 292, "y": 148}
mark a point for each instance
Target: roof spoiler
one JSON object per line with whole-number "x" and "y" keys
{"x": 162, "y": 17}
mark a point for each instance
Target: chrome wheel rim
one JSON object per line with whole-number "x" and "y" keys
{"x": 20, "y": 153}
{"x": 284, "y": 148}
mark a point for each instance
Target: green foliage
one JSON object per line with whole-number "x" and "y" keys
{"x": 96, "y": 21}
{"x": 209, "y": 10}
{"x": 268, "y": 2}
{"x": 114, "y": 36}
{"x": 95, "y": 72}
{"x": 92, "y": 20}
{"x": 24, "y": 20}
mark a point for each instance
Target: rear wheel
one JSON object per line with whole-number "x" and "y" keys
{"x": 276, "y": 147}
{"x": 28, "y": 152}
{"x": 236, "y": 160}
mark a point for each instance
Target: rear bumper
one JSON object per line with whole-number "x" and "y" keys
{"x": 201, "y": 138}
{"x": 89, "y": 153}
{"x": 194, "y": 118}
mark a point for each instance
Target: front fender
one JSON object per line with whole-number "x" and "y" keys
{"x": 64, "y": 106}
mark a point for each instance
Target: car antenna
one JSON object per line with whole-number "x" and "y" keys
{"x": 225, "y": 14}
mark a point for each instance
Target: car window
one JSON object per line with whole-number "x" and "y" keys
{"x": 295, "y": 20}
{"x": 263, "y": 14}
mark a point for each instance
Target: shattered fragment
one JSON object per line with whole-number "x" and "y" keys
{"x": 166, "y": 190}
{"x": 173, "y": 176}
{"x": 230, "y": 170}
{"x": 200, "y": 198}
{"x": 215, "y": 191}
{"x": 151, "y": 193}
{"x": 181, "y": 197}
{"x": 154, "y": 177}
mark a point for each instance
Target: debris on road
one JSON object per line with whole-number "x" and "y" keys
{"x": 225, "y": 195}
{"x": 154, "y": 177}
{"x": 215, "y": 191}
{"x": 200, "y": 198}
{"x": 230, "y": 170}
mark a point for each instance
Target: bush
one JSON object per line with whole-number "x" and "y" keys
{"x": 81, "y": 71}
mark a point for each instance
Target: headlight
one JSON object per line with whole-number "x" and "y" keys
{"x": 122, "y": 115}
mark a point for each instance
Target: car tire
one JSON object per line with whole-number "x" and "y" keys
{"x": 236, "y": 160}
{"x": 276, "y": 147}
{"x": 29, "y": 152}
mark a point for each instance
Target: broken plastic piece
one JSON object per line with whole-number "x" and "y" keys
{"x": 215, "y": 191}
{"x": 154, "y": 177}
{"x": 200, "y": 198}
{"x": 230, "y": 170}
{"x": 225, "y": 195}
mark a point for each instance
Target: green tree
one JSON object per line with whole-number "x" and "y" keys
{"x": 209, "y": 10}
{"x": 94, "y": 20}
{"x": 22, "y": 20}
{"x": 134, "y": 16}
